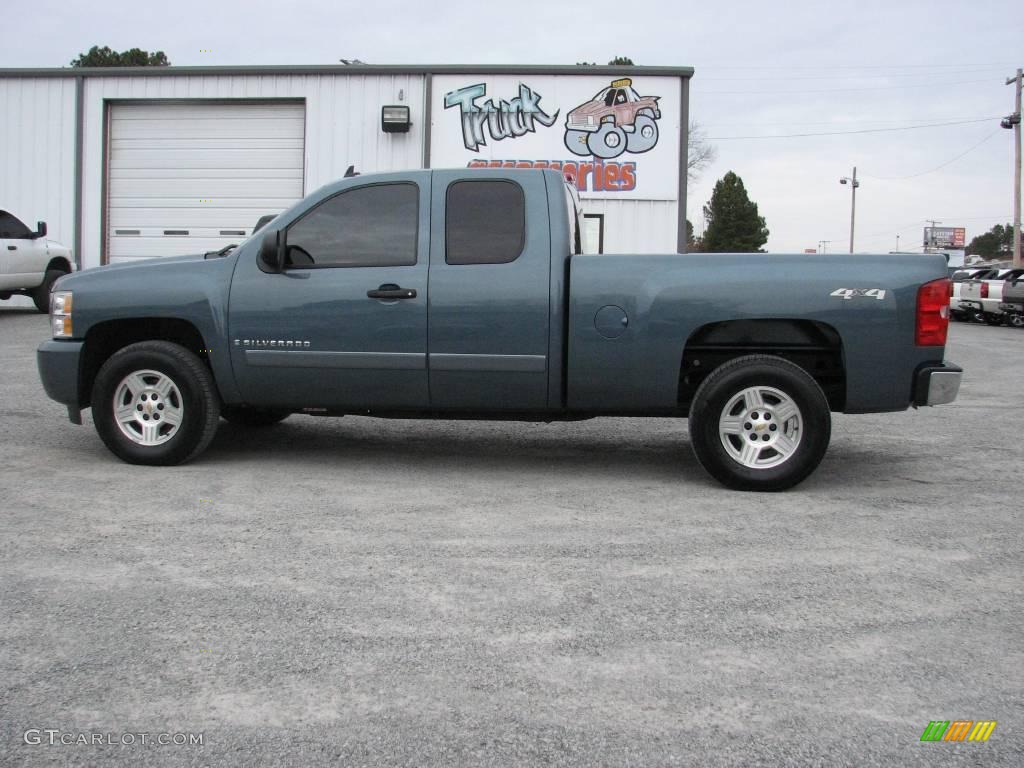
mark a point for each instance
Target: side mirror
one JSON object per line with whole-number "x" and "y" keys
{"x": 271, "y": 255}
{"x": 40, "y": 229}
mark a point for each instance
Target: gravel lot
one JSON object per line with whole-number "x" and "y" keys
{"x": 370, "y": 592}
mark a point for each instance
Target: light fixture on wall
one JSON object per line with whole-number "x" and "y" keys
{"x": 395, "y": 119}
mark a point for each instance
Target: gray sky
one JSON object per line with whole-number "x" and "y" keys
{"x": 761, "y": 68}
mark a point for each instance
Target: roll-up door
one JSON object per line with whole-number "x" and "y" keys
{"x": 186, "y": 177}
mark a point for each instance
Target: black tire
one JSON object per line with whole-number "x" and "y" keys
{"x": 576, "y": 142}
{"x": 607, "y": 142}
{"x": 252, "y": 417}
{"x": 991, "y": 319}
{"x": 1017, "y": 321}
{"x": 194, "y": 389}
{"x": 41, "y": 294}
{"x": 637, "y": 142}
{"x": 724, "y": 386}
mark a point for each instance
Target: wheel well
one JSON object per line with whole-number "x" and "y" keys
{"x": 59, "y": 262}
{"x": 815, "y": 347}
{"x": 104, "y": 339}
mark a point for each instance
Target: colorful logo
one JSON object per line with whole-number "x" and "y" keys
{"x": 598, "y": 176}
{"x": 508, "y": 119}
{"x": 616, "y": 120}
{"x": 958, "y": 730}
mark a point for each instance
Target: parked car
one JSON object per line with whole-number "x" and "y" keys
{"x": 325, "y": 312}
{"x": 29, "y": 262}
{"x": 983, "y": 295}
{"x": 958, "y": 277}
{"x": 1013, "y": 301}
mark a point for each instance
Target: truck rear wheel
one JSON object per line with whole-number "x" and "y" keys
{"x": 759, "y": 423}
{"x": 155, "y": 403}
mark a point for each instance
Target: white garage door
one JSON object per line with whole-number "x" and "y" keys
{"x": 192, "y": 177}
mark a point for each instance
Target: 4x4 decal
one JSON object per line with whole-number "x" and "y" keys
{"x": 616, "y": 120}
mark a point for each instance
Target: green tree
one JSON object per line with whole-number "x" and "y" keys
{"x": 106, "y": 57}
{"x": 734, "y": 225}
{"x": 693, "y": 244}
{"x": 621, "y": 61}
{"x": 995, "y": 243}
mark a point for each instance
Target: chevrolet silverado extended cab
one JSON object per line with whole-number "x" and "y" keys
{"x": 461, "y": 294}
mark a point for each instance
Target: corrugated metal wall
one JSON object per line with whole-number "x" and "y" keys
{"x": 37, "y": 153}
{"x": 342, "y": 124}
{"x": 37, "y": 138}
{"x": 636, "y": 226}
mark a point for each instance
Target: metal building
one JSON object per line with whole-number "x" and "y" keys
{"x": 149, "y": 162}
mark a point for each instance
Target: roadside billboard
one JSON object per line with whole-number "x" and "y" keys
{"x": 616, "y": 136}
{"x": 945, "y": 237}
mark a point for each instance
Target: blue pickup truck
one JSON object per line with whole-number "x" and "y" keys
{"x": 463, "y": 294}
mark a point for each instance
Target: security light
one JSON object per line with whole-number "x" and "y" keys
{"x": 395, "y": 119}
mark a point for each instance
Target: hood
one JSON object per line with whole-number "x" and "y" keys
{"x": 590, "y": 108}
{"x": 163, "y": 268}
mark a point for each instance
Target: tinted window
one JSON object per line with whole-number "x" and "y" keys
{"x": 365, "y": 227}
{"x": 11, "y": 228}
{"x": 485, "y": 222}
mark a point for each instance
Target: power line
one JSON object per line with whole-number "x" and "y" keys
{"x": 844, "y": 133}
{"x": 776, "y": 78}
{"x": 852, "y": 66}
{"x": 833, "y": 123}
{"x": 932, "y": 85}
{"x": 938, "y": 167}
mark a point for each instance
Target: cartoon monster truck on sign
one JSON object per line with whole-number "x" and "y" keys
{"x": 616, "y": 120}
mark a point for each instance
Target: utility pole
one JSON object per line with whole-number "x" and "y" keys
{"x": 1014, "y": 122}
{"x": 897, "y": 242}
{"x": 853, "y": 200}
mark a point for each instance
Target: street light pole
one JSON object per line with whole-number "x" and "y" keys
{"x": 852, "y": 181}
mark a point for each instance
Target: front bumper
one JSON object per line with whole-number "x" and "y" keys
{"x": 937, "y": 384}
{"x": 58, "y": 368}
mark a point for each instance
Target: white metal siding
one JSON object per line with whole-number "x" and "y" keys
{"x": 37, "y": 153}
{"x": 637, "y": 226}
{"x": 190, "y": 177}
{"x": 342, "y": 124}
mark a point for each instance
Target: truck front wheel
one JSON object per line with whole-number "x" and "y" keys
{"x": 576, "y": 142}
{"x": 759, "y": 423}
{"x": 41, "y": 294}
{"x": 155, "y": 403}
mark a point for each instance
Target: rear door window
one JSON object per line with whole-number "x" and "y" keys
{"x": 485, "y": 222}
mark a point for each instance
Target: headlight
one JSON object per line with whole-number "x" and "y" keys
{"x": 60, "y": 314}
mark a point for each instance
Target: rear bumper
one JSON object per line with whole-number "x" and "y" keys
{"x": 937, "y": 384}
{"x": 58, "y": 369}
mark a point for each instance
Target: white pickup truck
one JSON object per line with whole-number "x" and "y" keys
{"x": 982, "y": 297}
{"x": 29, "y": 262}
